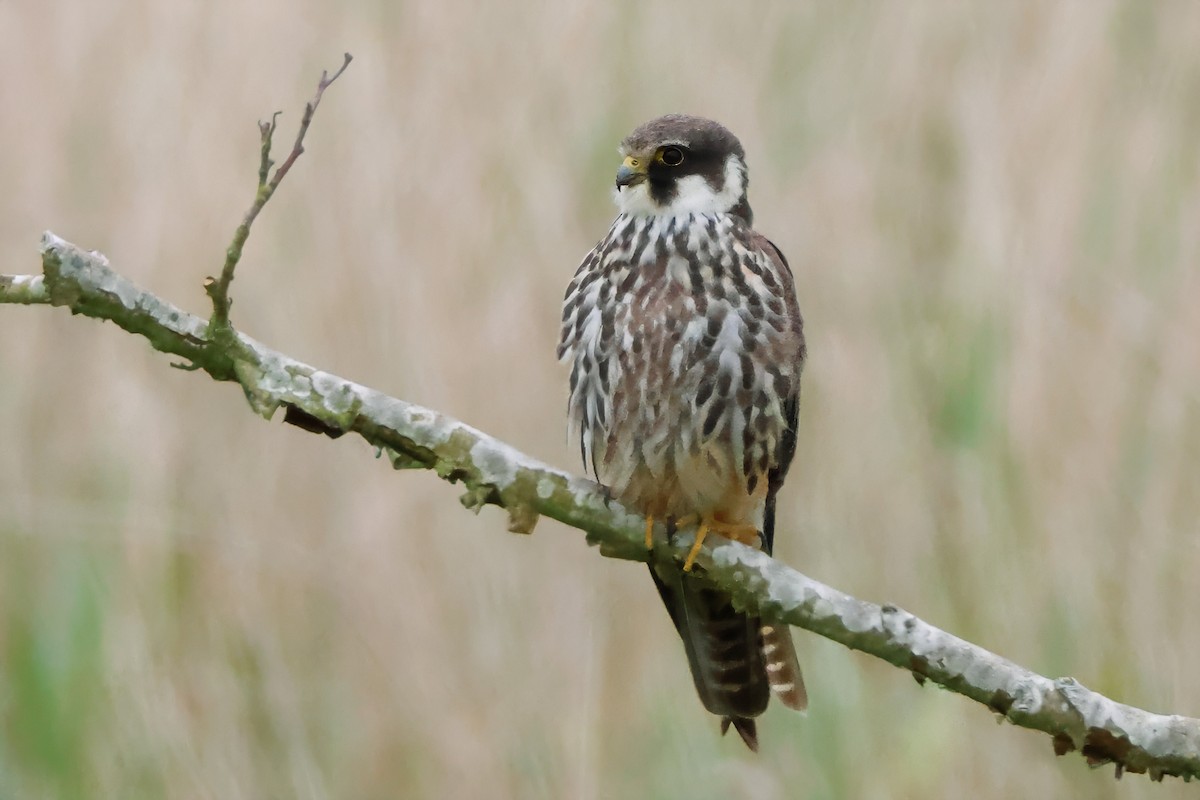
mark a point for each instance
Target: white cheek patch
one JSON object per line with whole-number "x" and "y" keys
{"x": 693, "y": 195}
{"x": 635, "y": 200}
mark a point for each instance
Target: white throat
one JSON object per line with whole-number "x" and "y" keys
{"x": 693, "y": 195}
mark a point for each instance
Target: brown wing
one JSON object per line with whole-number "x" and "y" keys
{"x": 589, "y": 376}
{"x": 786, "y": 449}
{"x": 779, "y": 651}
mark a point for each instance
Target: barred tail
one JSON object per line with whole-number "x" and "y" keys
{"x": 783, "y": 675}
{"x": 723, "y": 648}
{"x": 783, "y": 667}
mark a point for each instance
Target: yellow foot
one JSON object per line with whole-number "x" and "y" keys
{"x": 746, "y": 534}
{"x": 701, "y": 532}
{"x": 649, "y": 532}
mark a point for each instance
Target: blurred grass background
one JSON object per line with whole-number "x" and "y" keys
{"x": 993, "y": 213}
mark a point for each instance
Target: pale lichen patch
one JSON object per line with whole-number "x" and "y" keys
{"x": 860, "y": 619}
{"x": 283, "y": 379}
{"x": 51, "y": 241}
{"x": 494, "y": 463}
{"x": 1027, "y": 697}
{"x": 339, "y": 396}
{"x": 821, "y": 607}
{"x": 91, "y": 273}
{"x": 585, "y": 495}
{"x": 382, "y": 409}
{"x": 432, "y": 429}
{"x": 621, "y": 518}
{"x": 420, "y": 425}
{"x": 788, "y": 595}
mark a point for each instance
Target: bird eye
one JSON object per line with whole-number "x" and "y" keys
{"x": 671, "y": 156}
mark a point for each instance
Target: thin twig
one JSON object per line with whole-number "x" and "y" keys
{"x": 218, "y": 288}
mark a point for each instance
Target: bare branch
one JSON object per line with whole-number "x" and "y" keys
{"x": 1076, "y": 718}
{"x": 218, "y": 288}
{"x": 23, "y": 289}
{"x": 309, "y": 110}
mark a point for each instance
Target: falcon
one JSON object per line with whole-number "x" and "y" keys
{"x": 685, "y": 344}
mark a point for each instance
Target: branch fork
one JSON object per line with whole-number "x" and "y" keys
{"x": 218, "y": 288}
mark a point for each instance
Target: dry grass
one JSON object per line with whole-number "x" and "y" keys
{"x": 993, "y": 213}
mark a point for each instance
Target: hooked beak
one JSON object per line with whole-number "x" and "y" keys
{"x": 631, "y": 172}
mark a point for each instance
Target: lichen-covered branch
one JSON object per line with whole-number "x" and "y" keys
{"x": 495, "y": 473}
{"x": 25, "y": 290}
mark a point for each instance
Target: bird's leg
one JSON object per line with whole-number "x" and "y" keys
{"x": 701, "y": 532}
{"x": 746, "y": 534}
{"x": 672, "y": 524}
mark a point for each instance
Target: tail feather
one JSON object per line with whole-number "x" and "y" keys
{"x": 783, "y": 667}
{"x": 736, "y": 661}
{"x": 745, "y": 728}
{"x": 722, "y": 645}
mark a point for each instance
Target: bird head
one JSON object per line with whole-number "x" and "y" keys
{"x": 678, "y": 165}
